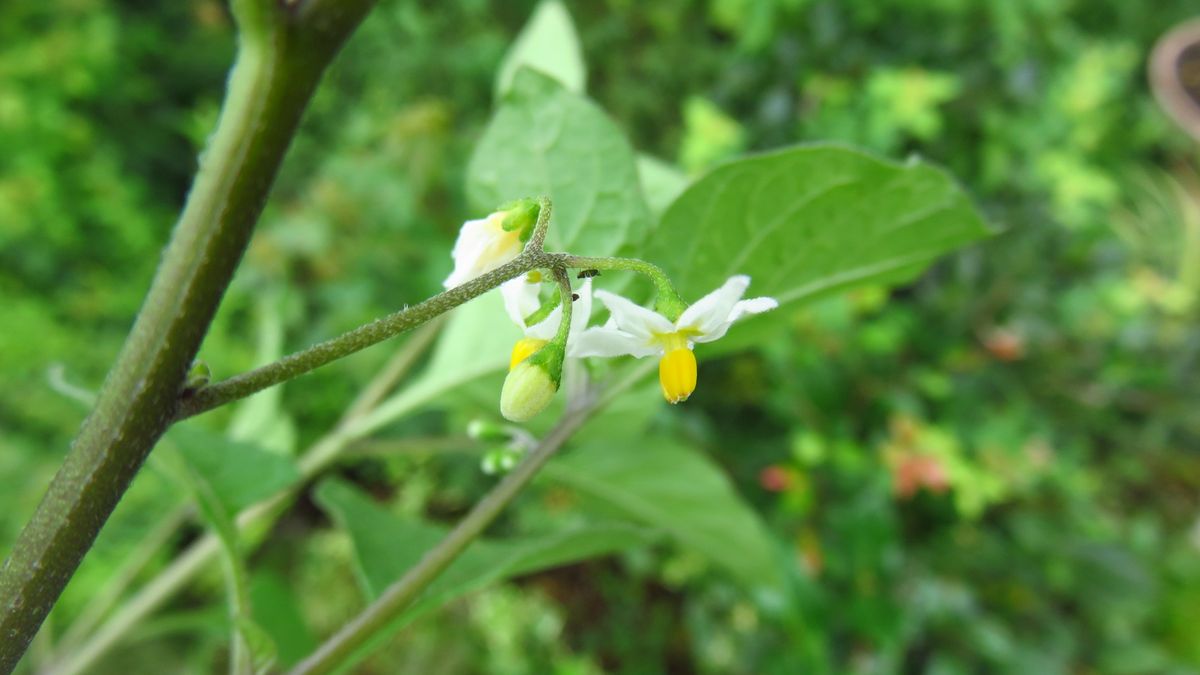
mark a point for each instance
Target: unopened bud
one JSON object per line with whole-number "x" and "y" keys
{"x": 532, "y": 383}
{"x": 521, "y": 216}
{"x": 483, "y": 430}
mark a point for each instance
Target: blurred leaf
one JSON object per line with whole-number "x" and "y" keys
{"x": 386, "y": 546}
{"x": 668, "y": 486}
{"x": 261, "y": 418}
{"x": 276, "y": 611}
{"x": 239, "y": 473}
{"x": 810, "y": 220}
{"x": 545, "y": 140}
{"x": 709, "y": 135}
{"x": 661, "y": 183}
{"x": 252, "y": 649}
{"x": 547, "y": 43}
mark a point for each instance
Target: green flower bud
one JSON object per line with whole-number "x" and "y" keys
{"x": 531, "y": 385}
{"x": 198, "y": 376}
{"x": 483, "y": 430}
{"x": 521, "y": 216}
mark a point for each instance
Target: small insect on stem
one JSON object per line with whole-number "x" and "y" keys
{"x": 574, "y": 297}
{"x": 587, "y": 274}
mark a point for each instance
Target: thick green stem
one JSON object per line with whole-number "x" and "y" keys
{"x": 75, "y": 658}
{"x": 283, "y": 50}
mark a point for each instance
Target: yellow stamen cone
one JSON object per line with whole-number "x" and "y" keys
{"x": 524, "y": 348}
{"x": 677, "y": 374}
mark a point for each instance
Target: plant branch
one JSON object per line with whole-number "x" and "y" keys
{"x": 668, "y": 301}
{"x": 299, "y": 363}
{"x": 282, "y": 53}
{"x": 75, "y": 658}
{"x": 335, "y": 652}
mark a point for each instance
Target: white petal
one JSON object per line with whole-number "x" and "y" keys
{"x": 482, "y": 246}
{"x": 635, "y": 319}
{"x": 606, "y": 342}
{"x": 581, "y": 312}
{"x": 520, "y": 299}
{"x": 467, "y": 249}
{"x": 740, "y": 309}
{"x": 710, "y": 312}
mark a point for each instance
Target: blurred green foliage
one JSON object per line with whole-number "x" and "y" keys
{"x": 993, "y": 469}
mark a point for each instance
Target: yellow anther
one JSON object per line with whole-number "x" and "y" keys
{"x": 677, "y": 374}
{"x": 524, "y": 348}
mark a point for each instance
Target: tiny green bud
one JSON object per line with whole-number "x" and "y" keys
{"x": 484, "y": 430}
{"x": 499, "y": 461}
{"x": 197, "y": 376}
{"x": 531, "y": 385}
{"x": 521, "y": 216}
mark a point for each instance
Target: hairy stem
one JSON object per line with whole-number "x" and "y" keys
{"x": 283, "y": 50}
{"x": 668, "y": 301}
{"x": 294, "y": 365}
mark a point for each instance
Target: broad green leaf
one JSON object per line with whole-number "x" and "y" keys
{"x": 545, "y": 140}
{"x": 251, "y": 649}
{"x": 239, "y": 473}
{"x": 548, "y": 43}
{"x": 679, "y": 491}
{"x": 476, "y": 341}
{"x": 386, "y": 546}
{"x": 809, "y": 220}
{"x": 661, "y": 182}
{"x": 277, "y": 612}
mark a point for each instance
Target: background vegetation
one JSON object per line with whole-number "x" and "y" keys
{"x": 995, "y": 468}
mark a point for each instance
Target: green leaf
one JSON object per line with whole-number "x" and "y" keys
{"x": 545, "y": 140}
{"x": 386, "y": 546}
{"x": 661, "y": 182}
{"x": 810, "y": 220}
{"x": 549, "y": 44}
{"x": 679, "y": 491}
{"x": 277, "y": 612}
{"x": 238, "y": 473}
{"x": 251, "y": 649}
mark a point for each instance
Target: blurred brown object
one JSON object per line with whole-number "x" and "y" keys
{"x": 1175, "y": 75}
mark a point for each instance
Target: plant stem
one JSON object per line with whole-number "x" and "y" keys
{"x": 343, "y": 646}
{"x": 301, "y": 362}
{"x": 75, "y": 658}
{"x": 125, "y": 575}
{"x": 282, "y": 52}
{"x": 668, "y": 301}
{"x": 294, "y": 365}
{"x": 567, "y": 300}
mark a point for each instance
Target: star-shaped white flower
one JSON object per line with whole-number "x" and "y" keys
{"x": 482, "y": 246}
{"x": 521, "y": 299}
{"x": 637, "y": 331}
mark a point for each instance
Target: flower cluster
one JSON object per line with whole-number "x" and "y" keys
{"x": 536, "y": 362}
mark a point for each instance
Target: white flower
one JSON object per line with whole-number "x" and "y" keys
{"x": 641, "y": 332}
{"x": 521, "y": 299}
{"x": 482, "y": 246}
